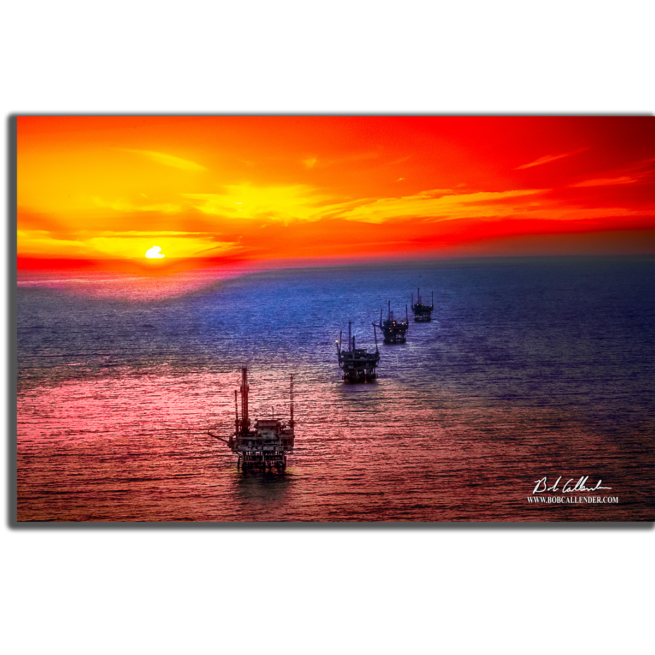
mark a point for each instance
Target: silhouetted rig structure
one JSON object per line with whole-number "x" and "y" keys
{"x": 265, "y": 447}
{"x": 358, "y": 364}
{"x": 422, "y": 312}
{"x": 393, "y": 330}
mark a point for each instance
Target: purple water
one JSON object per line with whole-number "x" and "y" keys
{"x": 530, "y": 368}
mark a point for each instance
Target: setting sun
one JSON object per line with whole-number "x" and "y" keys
{"x": 154, "y": 253}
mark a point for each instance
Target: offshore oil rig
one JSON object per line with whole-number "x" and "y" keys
{"x": 358, "y": 364}
{"x": 422, "y": 312}
{"x": 266, "y": 446}
{"x": 393, "y": 330}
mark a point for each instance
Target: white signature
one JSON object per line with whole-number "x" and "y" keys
{"x": 580, "y": 485}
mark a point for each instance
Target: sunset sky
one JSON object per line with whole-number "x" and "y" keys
{"x": 100, "y": 192}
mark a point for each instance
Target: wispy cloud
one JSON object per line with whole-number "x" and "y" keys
{"x": 638, "y": 172}
{"x": 546, "y": 159}
{"x": 40, "y": 243}
{"x": 608, "y": 181}
{"x": 282, "y": 202}
{"x": 325, "y": 162}
{"x": 127, "y": 206}
{"x": 138, "y": 233}
{"x": 168, "y": 160}
{"x": 400, "y": 161}
{"x": 302, "y": 203}
{"x": 440, "y": 205}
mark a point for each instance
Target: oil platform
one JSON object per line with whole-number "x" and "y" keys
{"x": 393, "y": 330}
{"x": 422, "y": 312}
{"x": 358, "y": 364}
{"x": 265, "y": 447}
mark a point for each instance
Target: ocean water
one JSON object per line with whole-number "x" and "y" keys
{"x": 530, "y": 368}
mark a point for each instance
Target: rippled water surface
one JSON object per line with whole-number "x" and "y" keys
{"x": 529, "y": 369}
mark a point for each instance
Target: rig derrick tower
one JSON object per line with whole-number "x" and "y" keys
{"x": 265, "y": 446}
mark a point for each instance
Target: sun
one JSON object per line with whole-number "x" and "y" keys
{"x": 154, "y": 253}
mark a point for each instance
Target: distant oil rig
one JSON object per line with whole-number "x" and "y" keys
{"x": 265, "y": 447}
{"x": 422, "y": 312}
{"x": 393, "y": 330}
{"x": 358, "y": 364}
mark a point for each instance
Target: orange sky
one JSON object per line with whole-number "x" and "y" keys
{"x": 99, "y": 192}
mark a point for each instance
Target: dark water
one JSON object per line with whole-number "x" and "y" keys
{"x": 529, "y": 369}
